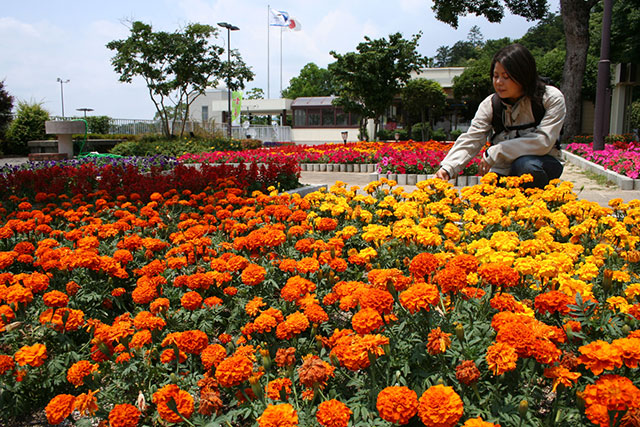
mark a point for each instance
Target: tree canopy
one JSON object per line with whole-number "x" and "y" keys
{"x": 369, "y": 79}
{"x": 422, "y": 97}
{"x": 177, "y": 67}
{"x": 6, "y": 106}
{"x": 312, "y": 81}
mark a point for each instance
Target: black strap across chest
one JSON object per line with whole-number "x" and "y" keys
{"x": 497, "y": 121}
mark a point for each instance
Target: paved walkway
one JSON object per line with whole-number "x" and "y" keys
{"x": 586, "y": 187}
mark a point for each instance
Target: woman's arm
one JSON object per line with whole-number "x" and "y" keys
{"x": 469, "y": 144}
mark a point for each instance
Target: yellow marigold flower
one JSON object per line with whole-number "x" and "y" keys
{"x": 618, "y": 303}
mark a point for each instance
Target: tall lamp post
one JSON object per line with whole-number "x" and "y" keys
{"x": 62, "y": 82}
{"x": 229, "y": 28}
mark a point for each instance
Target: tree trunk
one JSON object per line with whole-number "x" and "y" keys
{"x": 575, "y": 17}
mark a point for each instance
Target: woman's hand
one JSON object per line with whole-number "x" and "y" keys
{"x": 483, "y": 167}
{"x": 443, "y": 175}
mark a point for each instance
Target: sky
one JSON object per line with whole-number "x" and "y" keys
{"x": 43, "y": 40}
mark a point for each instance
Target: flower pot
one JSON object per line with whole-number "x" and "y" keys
{"x": 461, "y": 181}
{"x": 402, "y": 179}
{"x": 371, "y": 167}
{"x": 356, "y": 167}
{"x": 421, "y": 177}
{"x": 343, "y": 167}
{"x": 412, "y": 179}
{"x": 316, "y": 167}
{"x": 323, "y": 167}
{"x": 392, "y": 176}
{"x": 329, "y": 167}
{"x": 473, "y": 180}
{"x": 303, "y": 167}
{"x": 336, "y": 167}
{"x": 374, "y": 177}
{"x": 350, "y": 167}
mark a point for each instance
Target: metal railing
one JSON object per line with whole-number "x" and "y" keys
{"x": 141, "y": 126}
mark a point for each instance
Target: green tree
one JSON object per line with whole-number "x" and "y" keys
{"x": 575, "y": 18}
{"x": 177, "y": 67}
{"x": 312, "y": 81}
{"x": 625, "y": 31}
{"x": 473, "y": 85}
{"x": 255, "y": 93}
{"x": 6, "y": 105}
{"x": 424, "y": 98}
{"x": 27, "y": 126}
{"x": 368, "y": 80}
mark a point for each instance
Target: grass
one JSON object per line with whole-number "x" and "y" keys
{"x": 600, "y": 179}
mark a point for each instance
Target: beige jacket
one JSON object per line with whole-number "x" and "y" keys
{"x": 509, "y": 145}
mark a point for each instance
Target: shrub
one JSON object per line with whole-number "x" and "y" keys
{"x": 98, "y": 124}
{"x": 634, "y": 116}
{"x": 455, "y": 134}
{"x": 156, "y": 144}
{"x": 27, "y": 126}
{"x": 416, "y": 132}
{"x": 439, "y": 135}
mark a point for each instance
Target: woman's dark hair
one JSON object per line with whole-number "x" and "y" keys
{"x": 521, "y": 67}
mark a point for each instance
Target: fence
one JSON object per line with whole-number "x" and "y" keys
{"x": 138, "y": 127}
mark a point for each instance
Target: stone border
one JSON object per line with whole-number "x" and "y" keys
{"x": 307, "y": 189}
{"x": 624, "y": 182}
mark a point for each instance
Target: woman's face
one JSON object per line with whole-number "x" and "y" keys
{"x": 505, "y": 86}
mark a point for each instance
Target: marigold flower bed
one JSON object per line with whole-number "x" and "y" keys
{"x": 489, "y": 306}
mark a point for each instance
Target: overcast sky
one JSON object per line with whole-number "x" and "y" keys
{"x": 41, "y": 40}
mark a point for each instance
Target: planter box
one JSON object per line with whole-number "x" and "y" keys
{"x": 412, "y": 179}
{"x": 402, "y": 179}
{"x": 624, "y": 182}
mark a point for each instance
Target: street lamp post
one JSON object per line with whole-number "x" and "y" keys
{"x": 229, "y": 28}
{"x": 84, "y": 110}
{"x": 62, "y": 82}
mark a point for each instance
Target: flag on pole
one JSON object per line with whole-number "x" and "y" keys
{"x": 294, "y": 24}
{"x": 278, "y": 18}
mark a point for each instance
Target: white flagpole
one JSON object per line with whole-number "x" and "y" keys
{"x": 268, "y": 31}
{"x": 281, "y": 29}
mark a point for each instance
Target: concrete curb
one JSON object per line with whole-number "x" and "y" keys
{"x": 624, "y": 182}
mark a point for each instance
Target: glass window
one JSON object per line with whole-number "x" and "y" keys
{"x": 314, "y": 117}
{"x": 355, "y": 119}
{"x": 341, "y": 118}
{"x": 205, "y": 113}
{"x": 299, "y": 117}
{"x": 327, "y": 117}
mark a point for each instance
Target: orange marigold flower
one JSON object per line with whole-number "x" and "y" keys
{"x": 506, "y": 302}
{"x": 118, "y": 292}
{"x": 478, "y": 422}
{"x": 314, "y": 371}
{"x": 86, "y": 403}
{"x": 282, "y": 415}
{"x": 234, "y": 370}
{"x": 553, "y": 302}
{"x": 6, "y": 364}
{"x": 308, "y": 265}
{"x": 146, "y": 320}
{"x": 397, "y": 404}
{"x": 561, "y": 375}
{"x": 501, "y": 358}
{"x": 378, "y": 299}
{"x": 438, "y": 341}
{"x": 225, "y": 338}
{"x": 140, "y": 339}
{"x": 18, "y": 294}
{"x": 468, "y": 263}
{"x": 296, "y": 287}
{"x": 59, "y": 408}
{"x": 333, "y": 413}
{"x": 212, "y": 355}
{"x": 440, "y": 406}
{"x": 72, "y": 288}
{"x": 366, "y": 321}
{"x": 420, "y": 296}
{"x": 599, "y": 355}
{"x": 55, "y": 299}
{"x": 316, "y": 314}
{"x": 183, "y": 401}
{"x": 295, "y": 324}
{"x": 253, "y": 275}
{"x": 609, "y": 398}
{"x": 499, "y": 274}
{"x": 159, "y": 305}
{"x": 191, "y": 300}
{"x": 252, "y": 308}
{"x": 629, "y": 351}
{"x": 467, "y": 372}
{"x": 193, "y": 341}
{"x": 169, "y": 355}
{"x": 279, "y": 389}
{"x": 33, "y": 355}
{"x": 326, "y": 224}
{"x": 423, "y": 264}
{"x": 285, "y": 356}
{"x": 451, "y": 279}
{"x": 230, "y": 290}
{"x": 79, "y": 370}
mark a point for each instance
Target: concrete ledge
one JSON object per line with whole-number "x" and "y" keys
{"x": 35, "y": 157}
{"x": 624, "y": 182}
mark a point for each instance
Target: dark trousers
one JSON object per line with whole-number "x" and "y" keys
{"x": 542, "y": 168}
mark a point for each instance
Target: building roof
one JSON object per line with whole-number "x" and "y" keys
{"x": 313, "y": 101}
